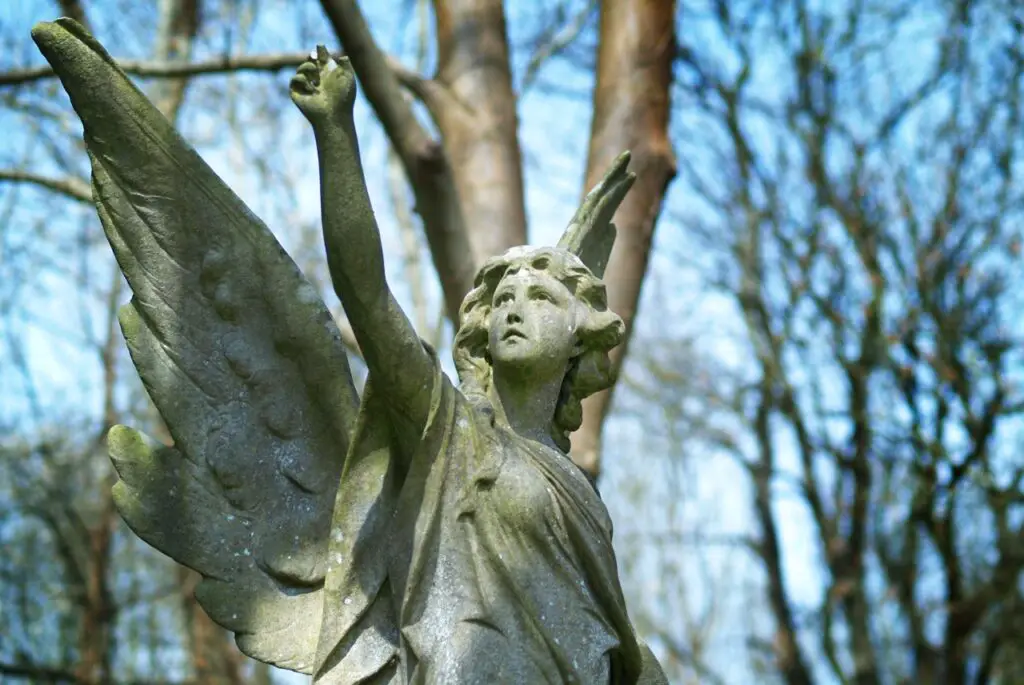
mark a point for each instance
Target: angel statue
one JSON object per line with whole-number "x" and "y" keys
{"x": 425, "y": 532}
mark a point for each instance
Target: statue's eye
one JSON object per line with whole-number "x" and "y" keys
{"x": 541, "y": 294}
{"x": 502, "y": 298}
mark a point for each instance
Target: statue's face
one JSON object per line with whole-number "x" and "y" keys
{"x": 533, "y": 324}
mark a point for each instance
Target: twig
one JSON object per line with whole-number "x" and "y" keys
{"x": 160, "y": 69}
{"x": 555, "y": 42}
{"x": 35, "y": 673}
{"x": 74, "y": 188}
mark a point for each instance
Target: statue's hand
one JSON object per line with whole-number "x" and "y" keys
{"x": 323, "y": 89}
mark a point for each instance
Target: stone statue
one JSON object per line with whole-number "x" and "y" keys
{"x": 423, "y": 533}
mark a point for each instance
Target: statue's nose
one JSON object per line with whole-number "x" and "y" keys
{"x": 514, "y": 314}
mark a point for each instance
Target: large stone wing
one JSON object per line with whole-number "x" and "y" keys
{"x": 238, "y": 353}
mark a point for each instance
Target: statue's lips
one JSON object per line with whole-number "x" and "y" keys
{"x": 513, "y": 333}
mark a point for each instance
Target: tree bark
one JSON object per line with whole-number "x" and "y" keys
{"x": 98, "y": 611}
{"x": 631, "y": 111}
{"x": 95, "y": 634}
{"x": 215, "y": 659}
{"x": 476, "y": 114}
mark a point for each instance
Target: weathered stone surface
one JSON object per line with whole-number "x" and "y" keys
{"x": 426, "y": 532}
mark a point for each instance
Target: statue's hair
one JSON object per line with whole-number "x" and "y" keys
{"x": 598, "y": 330}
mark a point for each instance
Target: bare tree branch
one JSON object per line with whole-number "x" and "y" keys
{"x": 72, "y": 188}
{"x": 165, "y": 69}
{"x": 684, "y": 655}
{"x": 555, "y": 41}
{"x": 38, "y": 673}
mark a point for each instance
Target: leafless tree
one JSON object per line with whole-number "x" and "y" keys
{"x": 857, "y": 193}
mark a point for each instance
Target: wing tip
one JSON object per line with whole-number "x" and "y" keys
{"x": 132, "y": 452}
{"x": 125, "y": 443}
{"x": 65, "y": 43}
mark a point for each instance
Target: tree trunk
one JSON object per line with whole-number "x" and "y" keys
{"x": 98, "y": 612}
{"x": 95, "y": 637}
{"x": 215, "y": 659}
{"x": 476, "y": 114}
{"x": 631, "y": 112}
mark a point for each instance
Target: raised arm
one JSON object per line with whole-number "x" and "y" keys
{"x": 324, "y": 90}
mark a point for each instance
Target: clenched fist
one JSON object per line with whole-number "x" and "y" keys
{"x": 323, "y": 89}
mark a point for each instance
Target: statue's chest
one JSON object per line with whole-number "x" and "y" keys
{"x": 531, "y": 494}
{"x": 522, "y": 496}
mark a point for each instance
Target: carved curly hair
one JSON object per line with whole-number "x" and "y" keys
{"x": 598, "y": 330}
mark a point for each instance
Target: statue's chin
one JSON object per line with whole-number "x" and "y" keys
{"x": 526, "y": 362}
{"x": 515, "y": 354}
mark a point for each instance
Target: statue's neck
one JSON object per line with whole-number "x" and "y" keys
{"x": 526, "y": 406}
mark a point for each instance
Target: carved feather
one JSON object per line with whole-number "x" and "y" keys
{"x": 240, "y": 356}
{"x": 590, "y": 234}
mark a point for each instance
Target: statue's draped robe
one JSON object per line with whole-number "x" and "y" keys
{"x": 481, "y": 558}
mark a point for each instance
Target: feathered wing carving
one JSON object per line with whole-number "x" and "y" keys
{"x": 591, "y": 233}
{"x": 238, "y": 353}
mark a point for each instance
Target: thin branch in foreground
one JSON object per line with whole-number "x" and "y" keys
{"x": 152, "y": 69}
{"x": 30, "y": 672}
{"x": 685, "y": 656}
{"x": 555, "y": 42}
{"x": 73, "y": 188}
{"x": 58, "y": 675}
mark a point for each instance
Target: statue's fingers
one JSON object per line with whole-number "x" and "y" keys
{"x": 322, "y": 55}
{"x": 300, "y": 84}
{"x": 310, "y": 70}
